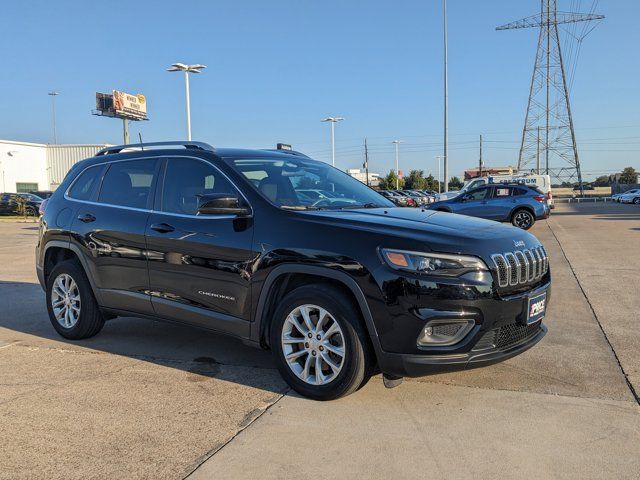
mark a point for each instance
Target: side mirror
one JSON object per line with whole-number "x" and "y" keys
{"x": 221, "y": 204}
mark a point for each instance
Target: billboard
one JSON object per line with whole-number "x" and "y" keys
{"x": 129, "y": 106}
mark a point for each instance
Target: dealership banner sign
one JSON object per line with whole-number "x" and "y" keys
{"x": 130, "y": 106}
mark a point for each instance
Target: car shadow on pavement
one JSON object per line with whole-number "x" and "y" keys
{"x": 200, "y": 353}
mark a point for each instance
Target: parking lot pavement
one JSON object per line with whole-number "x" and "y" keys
{"x": 150, "y": 400}
{"x": 602, "y": 242}
{"x": 141, "y": 400}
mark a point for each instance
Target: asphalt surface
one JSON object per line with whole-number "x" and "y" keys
{"x": 152, "y": 400}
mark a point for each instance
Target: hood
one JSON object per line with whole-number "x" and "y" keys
{"x": 432, "y": 230}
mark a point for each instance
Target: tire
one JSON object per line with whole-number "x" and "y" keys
{"x": 636, "y": 201}
{"x": 355, "y": 366}
{"x": 523, "y": 219}
{"x": 84, "y": 319}
{"x": 30, "y": 212}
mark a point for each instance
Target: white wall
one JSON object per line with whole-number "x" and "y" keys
{"x": 22, "y": 162}
{"x": 45, "y": 165}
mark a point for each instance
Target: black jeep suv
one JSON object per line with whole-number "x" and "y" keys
{"x": 339, "y": 288}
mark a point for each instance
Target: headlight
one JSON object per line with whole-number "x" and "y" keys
{"x": 432, "y": 263}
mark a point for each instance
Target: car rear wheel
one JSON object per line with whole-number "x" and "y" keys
{"x": 636, "y": 200}
{"x": 72, "y": 308}
{"x": 319, "y": 343}
{"x": 523, "y": 219}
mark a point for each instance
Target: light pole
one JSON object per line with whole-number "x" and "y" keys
{"x": 397, "y": 144}
{"x": 187, "y": 69}
{"x": 446, "y": 100}
{"x": 333, "y": 121}
{"x": 53, "y": 96}
{"x": 438, "y": 158}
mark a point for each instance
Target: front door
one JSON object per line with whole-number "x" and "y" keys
{"x": 199, "y": 265}
{"x": 475, "y": 203}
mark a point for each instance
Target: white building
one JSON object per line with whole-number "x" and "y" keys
{"x": 26, "y": 167}
{"x": 358, "y": 174}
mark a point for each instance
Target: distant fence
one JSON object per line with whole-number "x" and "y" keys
{"x": 583, "y": 199}
{"x": 623, "y": 187}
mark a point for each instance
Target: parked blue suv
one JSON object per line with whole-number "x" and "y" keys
{"x": 519, "y": 204}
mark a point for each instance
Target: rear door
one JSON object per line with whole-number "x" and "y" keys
{"x": 199, "y": 265}
{"x": 501, "y": 203}
{"x": 109, "y": 226}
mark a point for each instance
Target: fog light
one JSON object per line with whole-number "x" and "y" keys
{"x": 444, "y": 332}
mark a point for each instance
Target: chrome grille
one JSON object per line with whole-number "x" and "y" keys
{"x": 521, "y": 266}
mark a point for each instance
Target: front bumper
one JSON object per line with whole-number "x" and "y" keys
{"x": 500, "y": 330}
{"x": 410, "y": 365}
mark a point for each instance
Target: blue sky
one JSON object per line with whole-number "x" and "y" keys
{"x": 276, "y": 68}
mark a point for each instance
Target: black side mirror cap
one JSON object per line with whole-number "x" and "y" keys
{"x": 222, "y": 204}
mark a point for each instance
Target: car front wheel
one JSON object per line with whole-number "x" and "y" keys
{"x": 319, "y": 343}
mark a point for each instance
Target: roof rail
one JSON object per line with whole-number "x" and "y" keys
{"x": 141, "y": 146}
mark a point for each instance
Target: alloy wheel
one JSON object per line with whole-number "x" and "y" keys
{"x": 523, "y": 220}
{"x": 65, "y": 300}
{"x": 313, "y": 344}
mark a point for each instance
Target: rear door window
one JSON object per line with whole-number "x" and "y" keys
{"x": 502, "y": 192}
{"x": 129, "y": 183}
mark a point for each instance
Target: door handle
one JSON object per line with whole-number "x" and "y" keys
{"x": 86, "y": 218}
{"x": 162, "y": 227}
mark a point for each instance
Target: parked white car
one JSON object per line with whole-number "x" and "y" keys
{"x": 631, "y": 196}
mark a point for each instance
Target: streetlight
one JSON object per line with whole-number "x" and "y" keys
{"x": 446, "y": 99}
{"x": 397, "y": 144}
{"x": 187, "y": 69}
{"x": 53, "y": 96}
{"x": 333, "y": 121}
{"x": 438, "y": 158}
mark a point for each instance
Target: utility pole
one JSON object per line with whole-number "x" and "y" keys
{"x": 366, "y": 161}
{"x": 446, "y": 100}
{"x": 53, "y": 96}
{"x": 549, "y": 108}
{"x": 480, "y": 167}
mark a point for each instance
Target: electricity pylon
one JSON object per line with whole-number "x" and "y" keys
{"x": 548, "y": 123}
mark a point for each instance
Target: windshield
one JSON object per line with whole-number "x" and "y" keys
{"x": 304, "y": 184}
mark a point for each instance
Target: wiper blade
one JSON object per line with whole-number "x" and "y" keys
{"x": 364, "y": 205}
{"x": 299, "y": 207}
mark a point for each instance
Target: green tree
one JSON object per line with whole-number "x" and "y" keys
{"x": 416, "y": 180}
{"x": 389, "y": 182}
{"x": 431, "y": 183}
{"x": 629, "y": 176}
{"x": 455, "y": 183}
{"x": 602, "y": 181}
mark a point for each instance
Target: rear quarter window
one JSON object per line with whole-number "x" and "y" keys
{"x": 85, "y": 185}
